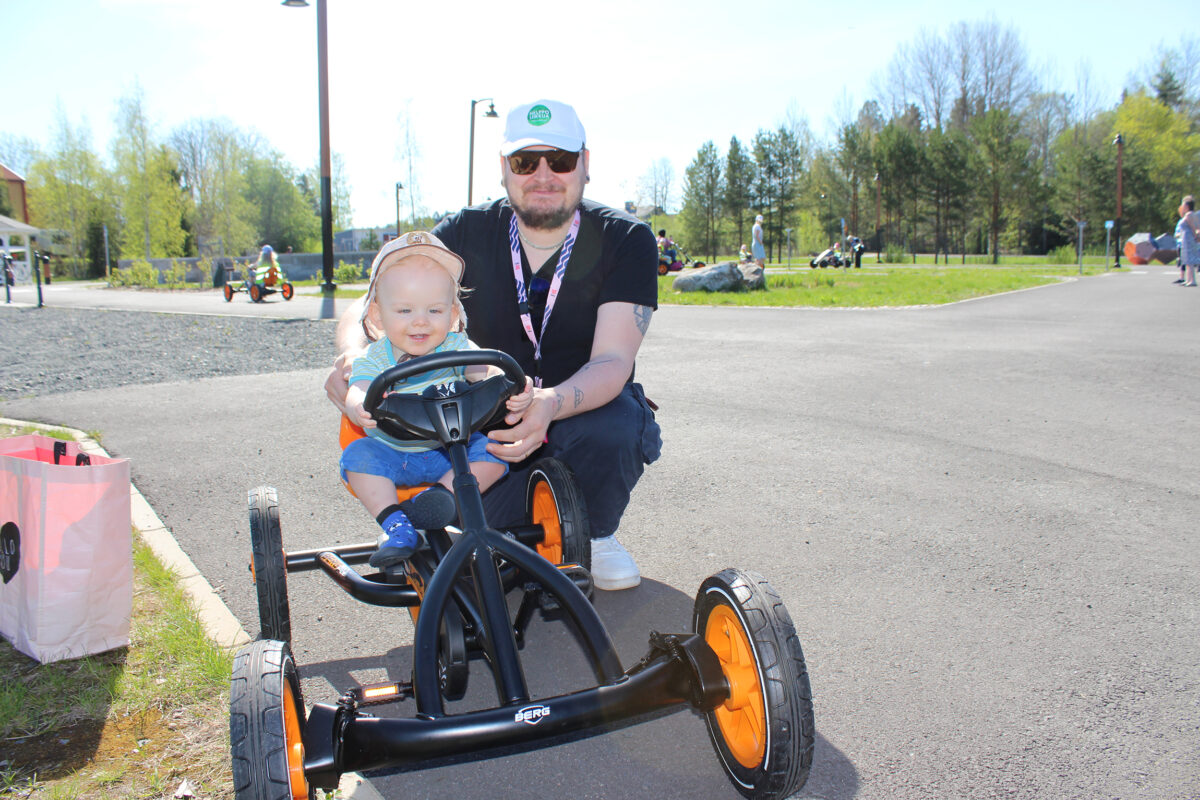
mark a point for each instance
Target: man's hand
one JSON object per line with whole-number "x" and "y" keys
{"x": 338, "y": 382}
{"x": 529, "y": 427}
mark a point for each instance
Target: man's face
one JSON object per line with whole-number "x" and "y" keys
{"x": 545, "y": 199}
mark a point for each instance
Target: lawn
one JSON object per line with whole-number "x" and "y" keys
{"x": 878, "y": 285}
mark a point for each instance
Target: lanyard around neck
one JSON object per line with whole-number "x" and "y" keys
{"x": 560, "y": 269}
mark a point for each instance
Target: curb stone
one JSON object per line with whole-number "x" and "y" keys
{"x": 215, "y": 617}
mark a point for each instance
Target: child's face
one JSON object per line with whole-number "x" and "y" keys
{"x": 414, "y": 305}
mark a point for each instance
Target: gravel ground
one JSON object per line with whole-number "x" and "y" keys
{"x": 66, "y": 349}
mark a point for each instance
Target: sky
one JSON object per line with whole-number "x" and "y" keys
{"x": 650, "y": 79}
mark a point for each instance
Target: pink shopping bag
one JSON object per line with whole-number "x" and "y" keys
{"x": 66, "y": 556}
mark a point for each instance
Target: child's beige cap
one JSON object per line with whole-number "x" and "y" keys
{"x": 413, "y": 243}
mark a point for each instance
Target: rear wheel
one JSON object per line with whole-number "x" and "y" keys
{"x": 763, "y": 733}
{"x": 553, "y": 500}
{"x": 269, "y": 565}
{"x": 266, "y": 725}
{"x": 256, "y": 293}
{"x": 287, "y": 291}
{"x": 663, "y": 268}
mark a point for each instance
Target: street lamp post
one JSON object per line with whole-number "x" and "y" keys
{"x": 326, "y": 171}
{"x": 1120, "y": 143}
{"x": 490, "y": 114}
{"x": 399, "y": 188}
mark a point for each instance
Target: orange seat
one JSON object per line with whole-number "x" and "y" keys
{"x": 350, "y": 432}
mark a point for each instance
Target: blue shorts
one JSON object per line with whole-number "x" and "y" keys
{"x": 373, "y": 457}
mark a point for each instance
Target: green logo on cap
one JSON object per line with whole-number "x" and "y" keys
{"x": 538, "y": 115}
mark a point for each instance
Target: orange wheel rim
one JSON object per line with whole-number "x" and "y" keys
{"x": 742, "y": 717}
{"x": 297, "y": 783}
{"x": 545, "y": 513}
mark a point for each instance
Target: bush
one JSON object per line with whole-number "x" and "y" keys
{"x": 176, "y": 275}
{"x": 140, "y": 273}
{"x": 895, "y": 255}
{"x": 347, "y": 273}
{"x": 1062, "y": 255}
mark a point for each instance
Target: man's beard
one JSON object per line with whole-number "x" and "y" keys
{"x": 546, "y": 220}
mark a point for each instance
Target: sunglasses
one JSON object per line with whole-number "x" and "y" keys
{"x": 525, "y": 162}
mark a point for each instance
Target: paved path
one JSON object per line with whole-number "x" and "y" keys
{"x": 307, "y": 303}
{"x": 982, "y": 518}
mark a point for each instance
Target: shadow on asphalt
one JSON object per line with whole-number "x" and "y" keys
{"x": 665, "y": 757}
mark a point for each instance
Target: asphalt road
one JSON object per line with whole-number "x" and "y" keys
{"x": 982, "y": 518}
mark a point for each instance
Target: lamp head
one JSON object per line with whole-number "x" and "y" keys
{"x": 296, "y": 3}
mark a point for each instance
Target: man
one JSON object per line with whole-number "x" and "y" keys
{"x": 567, "y": 287}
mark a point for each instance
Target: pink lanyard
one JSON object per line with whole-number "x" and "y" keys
{"x": 560, "y": 269}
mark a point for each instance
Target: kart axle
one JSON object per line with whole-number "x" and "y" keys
{"x": 682, "y": 670}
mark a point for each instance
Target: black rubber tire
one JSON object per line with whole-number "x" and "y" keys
{"x": 779, "y": 706}
{"x": 228, "y": 291}
{"x": 270, "y": 565}
{"x": 552, "y": 495}
{"x": 256, "y": 293}
{"x": 266, "y": 723}
{"x": 287, "y": 291}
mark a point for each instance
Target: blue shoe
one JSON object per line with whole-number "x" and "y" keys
{"x": 399, "y": 541}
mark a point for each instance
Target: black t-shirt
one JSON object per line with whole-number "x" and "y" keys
{"x": 615, "y": 259}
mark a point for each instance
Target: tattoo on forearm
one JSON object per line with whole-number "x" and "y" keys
{"x": 578, "y": 396}
{"x": 558, "y": 401}
{"x": 641, "y": 315}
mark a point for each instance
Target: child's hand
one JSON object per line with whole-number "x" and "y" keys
{"x": 518, "y": 403}
{"x": 359, "y": 416}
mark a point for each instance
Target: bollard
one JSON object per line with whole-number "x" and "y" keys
{"x": 37, "y": 275}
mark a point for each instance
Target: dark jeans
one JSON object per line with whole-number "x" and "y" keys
{"x": 607, "y": 448}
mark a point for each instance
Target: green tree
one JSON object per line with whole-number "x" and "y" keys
{"x": 70, "y": 191}
{"x": 1000, "y": 167}
{"x": 947, "y": 185}
{"x": 152, "y": 199}
{"x": 214, "y": 158}
{"x": 899, "y": 160}
{"x": 1167, "y": 142}
{"x": 282, "y": 216}
{"x": 702, "y": 186}
{"x": 739, "y": 181}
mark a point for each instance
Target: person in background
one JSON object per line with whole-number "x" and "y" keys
{"x": 1187, "y": 231}
{"x": 757, "y": 247}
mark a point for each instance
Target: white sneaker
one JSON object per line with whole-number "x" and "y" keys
{"x": 612, "y": 566}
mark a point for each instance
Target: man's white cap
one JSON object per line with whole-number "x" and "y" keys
{"x": 543, "y": 122}
{"x": 413, "y": 243}
{"x": 758, "y": 218}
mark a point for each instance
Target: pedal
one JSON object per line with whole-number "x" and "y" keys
{"x": 582, "y": 579}
{"x": 372, "y": 694}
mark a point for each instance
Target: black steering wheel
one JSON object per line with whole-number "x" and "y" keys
{"x": 445, "y": 413}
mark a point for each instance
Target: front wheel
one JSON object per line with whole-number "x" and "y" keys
{"x": 763, "y": 733}
{"x": 287, "y": 291}
{"x": 553, "y": 500}
{"x": 269, "y": 565}
{"x": 228, "y": 292}
{"x": 266, "y": 725}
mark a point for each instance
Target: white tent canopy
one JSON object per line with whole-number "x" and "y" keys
{"x": 9, "y": 227}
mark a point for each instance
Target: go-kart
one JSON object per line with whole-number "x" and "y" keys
{"x": 259, "y": 283}
{"x": 668, "y": 263}
{"x": 830, "y": 257}
{"x": 742, "y": 666}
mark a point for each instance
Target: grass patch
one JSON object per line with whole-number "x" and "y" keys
{"x": 879, "y": 285}
{"x": 129, "y": 723}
